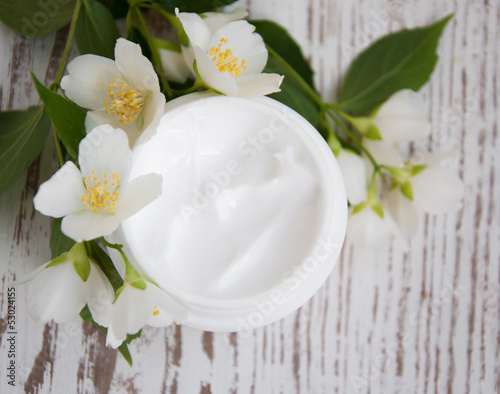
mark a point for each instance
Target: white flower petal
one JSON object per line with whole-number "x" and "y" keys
{"x": 169, "y": 309}
{"x": 138, "y": 193}
{"x": 215, "y": 20}
{"x": 30, "y": 276}
{"x": 384, "y": 152}
{"x": 353, "y": 170}
{"x": 258, "y": 84}
{"x": 129, "y": 314}
{"x": 153, "y": 110}
{"x": 135, "y": 67}
{"x": 115, "y": 336}
{"x": 174, "y": 65}
{"x": 105, "y": 150}
{"x": 438, "y": 190}
{"x": 142, "y": 128}
{"x": 99, "y": 118}
{"x": 62, "y": 193}
{"x": 222, "y": 82}
{"x": 160, "y": 318}
{"x": 188, "y": 54}
{"x": 367, "y": 229}
{"x": 100, "y": 296}
{"x": 87, "y": 225}
{"x": 244, "y": 43}
{"x": 115, "y": 256}
{"x": 57, "y": 293}
{"x": 87, "y": 82}
{"x": 403, "y": 211}
{"x": 399, "y": 119}
{"x": 196, "y": 30}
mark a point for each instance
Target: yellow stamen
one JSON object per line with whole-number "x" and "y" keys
{"x": 97, "y": 196}
{"x": 225, "y": 60}
{"x": 126, "y": 103}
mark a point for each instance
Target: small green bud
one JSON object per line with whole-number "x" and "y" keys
{"x": 59, "y": 260}
{"x": 407, "y": 190}
{"x": 378, "y": 209}
{"x": 81, "y": 262}
{"x": 358, "y": 208}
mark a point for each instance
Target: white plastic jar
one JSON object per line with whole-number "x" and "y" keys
{"x": 252, "y": 216}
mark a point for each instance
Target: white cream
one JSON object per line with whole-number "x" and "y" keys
{"x": 243, "y": 204}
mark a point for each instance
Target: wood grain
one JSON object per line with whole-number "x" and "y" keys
{"x": 426, "y": 321}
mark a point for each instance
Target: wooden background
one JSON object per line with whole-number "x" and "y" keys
{"x": 427, "y": 321}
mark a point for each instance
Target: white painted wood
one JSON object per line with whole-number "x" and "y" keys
{"x": 384, "y": 322}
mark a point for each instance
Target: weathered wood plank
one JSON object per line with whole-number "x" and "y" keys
{"x": 427, "y": 321}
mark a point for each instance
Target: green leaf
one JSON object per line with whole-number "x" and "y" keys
{"x": 193, "y": 5}
{"x": 59, "y": 243}
{"x": 80, "y": 260}
{"x": 36, "y": 18}
{"x": 278, "y": 38}
{"x": 407, "y": 190}
{"x": 293, "y": 94}
{"x": 22, "y": 136}
{"x": 96, "y": 31}
{"x": 104, "y": 262}
{"x": 123, "y": 348}
{"x": 403, "y": 60}
{"x": 68, "y": 118}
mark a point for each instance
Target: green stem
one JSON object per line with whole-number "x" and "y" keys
{"x": 372, "y": 182}
{"x": 314, "y": 95}
{"x": 332, "y": 138}
{"x": 335, "y": 107}
{"x": 198, "y": 83}
{"x": 154, "y": 53}
{"x": 119, "y": 248}
{"x": 60, "y": 155}
{"x": 171, "y": 18}
{"x": 355, "y": 139}
{"x": 129, "y": 19}
{"x": 174, "y": 21}
{"x": 340, "y": 113}
{"x": 131, "y": 278}
{"x": 62, "y": 66}
{"x": 55, "y": 85}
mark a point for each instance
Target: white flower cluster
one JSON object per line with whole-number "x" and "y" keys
{"x": 388, "y": 206}
{"x": 125, "y": 104}
{"x": 92, "y": 201}
{"x": 224, "y": 53}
